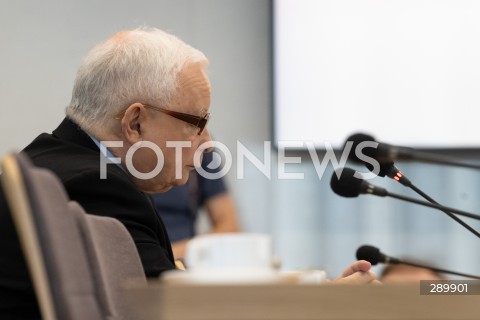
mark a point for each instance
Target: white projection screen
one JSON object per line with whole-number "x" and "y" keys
{"x": 407, "y": 72}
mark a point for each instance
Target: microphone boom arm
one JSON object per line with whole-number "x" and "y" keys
{"x": 442, "y": 208}
{"x": 436, "y": 159}
{"x": 439, "y": 270}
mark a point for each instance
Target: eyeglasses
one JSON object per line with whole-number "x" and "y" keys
{"x": 199, "y": 122}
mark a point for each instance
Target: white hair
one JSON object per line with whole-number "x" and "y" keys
{"x": 140, "y": 65}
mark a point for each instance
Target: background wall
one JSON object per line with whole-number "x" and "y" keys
{"x": 42, "y": 43}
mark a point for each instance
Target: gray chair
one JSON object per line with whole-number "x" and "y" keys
{"x": 78, "y": 262}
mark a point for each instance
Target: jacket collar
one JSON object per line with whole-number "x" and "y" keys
{"x": 70, "y": 131}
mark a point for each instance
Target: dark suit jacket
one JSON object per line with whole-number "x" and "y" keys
{"x": 75, "y": 158}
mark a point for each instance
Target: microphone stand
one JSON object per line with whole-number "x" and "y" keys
{"x": 398, "y": 176}
{"x": 397, "y": 153}
{"x": 434, "y": 269}
{"x": 445, "y": 209}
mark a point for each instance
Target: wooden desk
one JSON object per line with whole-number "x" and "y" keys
{"x": 287, "y": 301}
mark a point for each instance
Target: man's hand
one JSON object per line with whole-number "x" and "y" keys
{"x": 357, "y": 273}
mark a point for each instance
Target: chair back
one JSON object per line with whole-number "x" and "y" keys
{"x": 78, "y": 262}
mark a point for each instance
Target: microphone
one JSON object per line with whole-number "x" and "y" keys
{"x": 391, "y": 170}
{"x": 387, "y": 168}
{"x": 345, "y": 183}
{"x": 374, "y": 256}
{"x": 385, "y": 153}
{"x": 348, "y": 183}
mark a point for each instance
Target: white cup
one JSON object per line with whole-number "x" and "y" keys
{"x": 230, "y": 252}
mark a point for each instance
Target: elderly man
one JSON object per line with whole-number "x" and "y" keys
{"x": 138, "y": 87}
{"x": 145, "y": 95}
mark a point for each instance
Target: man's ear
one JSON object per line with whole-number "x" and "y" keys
{"x": 132, "y": 122}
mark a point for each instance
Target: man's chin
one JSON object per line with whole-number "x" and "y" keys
{"x": 150, "y": 187}
{"x": 173, "y": 183}
{"x": 154, "y": 190}
{"x": 182, "y": 181}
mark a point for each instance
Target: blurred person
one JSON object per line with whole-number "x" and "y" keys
{"x": 402, "y": 273}
{"x": 179, "y": 207}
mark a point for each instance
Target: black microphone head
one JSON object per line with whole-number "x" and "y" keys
{"x": 356, "y": 139}
{"x": 345, "y": 184}
{"x": 371, "y": 254}
{"x": 385, "y": 166}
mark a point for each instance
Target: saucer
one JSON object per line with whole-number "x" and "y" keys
{"x": 221, "y": 276}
